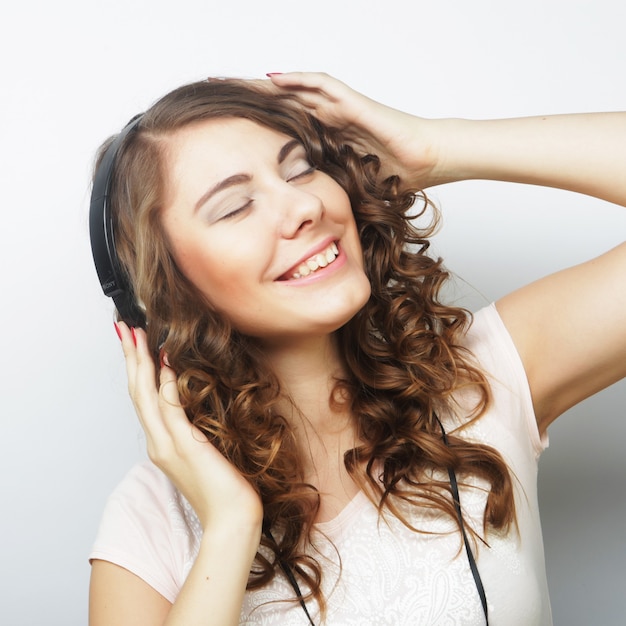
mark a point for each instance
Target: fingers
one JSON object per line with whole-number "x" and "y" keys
{"x": 314, "y": 90}
{"x": 142, "y": 389}
{"x": 173, "y": 417}
{"x": 159, "y": 410}
{"x": 168, "y": 391}
{"x": 327, "y": 98}
{"x": 128, "y": 340}
{"x": 205, "y": 477}
{"x": 310, "y": 81}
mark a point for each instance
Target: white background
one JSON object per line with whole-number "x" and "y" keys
{"x": 74, "y": 72}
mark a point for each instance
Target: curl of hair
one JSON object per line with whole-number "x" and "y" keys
{"x": 402, "y": 350}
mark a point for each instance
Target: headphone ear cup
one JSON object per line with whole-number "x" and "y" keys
{"x": 112, "y": 279}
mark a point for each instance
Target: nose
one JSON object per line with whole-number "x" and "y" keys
{"x": 297, "y": 209}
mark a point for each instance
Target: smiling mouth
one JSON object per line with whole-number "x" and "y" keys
{"x": 311, "y": 265}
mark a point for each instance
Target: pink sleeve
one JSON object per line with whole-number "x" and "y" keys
{"x": 148, "y": 529}
{"x": 490, "y": 342}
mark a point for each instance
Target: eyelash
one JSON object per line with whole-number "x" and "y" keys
{"x": 236, "y": 211}
{"x": 306, "y": 172}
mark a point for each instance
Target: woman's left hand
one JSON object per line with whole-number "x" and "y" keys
{"x": 406, "y": 144}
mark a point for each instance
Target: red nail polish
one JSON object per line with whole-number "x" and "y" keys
{"x": 117, "y": 330}
{"x": 270, "y": 74}
{"x": 132, "y": 332}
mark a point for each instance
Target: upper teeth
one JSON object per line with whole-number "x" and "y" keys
{"x": 321, "y": 259}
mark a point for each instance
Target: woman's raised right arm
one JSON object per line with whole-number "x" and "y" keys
{"x": 229, "y": 510}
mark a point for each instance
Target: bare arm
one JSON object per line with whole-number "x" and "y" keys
{"x": 578, "y": 152}
{"x": 569, "y": 328}
{"x": 117, "y": 596}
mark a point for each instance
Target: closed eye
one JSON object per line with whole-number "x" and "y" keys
{"x": 236, "y": 212}
{"x": 303, "y": 174}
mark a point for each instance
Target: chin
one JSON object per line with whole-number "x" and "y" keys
{"x": 351, "y": 311}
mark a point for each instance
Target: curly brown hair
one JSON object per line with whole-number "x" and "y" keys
{"x": 402, "y": 351}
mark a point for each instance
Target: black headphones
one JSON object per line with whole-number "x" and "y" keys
{"x": 112, "y": 278}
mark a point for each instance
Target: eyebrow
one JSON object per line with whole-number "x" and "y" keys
{"x": 286, "y": 149}
{"x": 238, "y": 179}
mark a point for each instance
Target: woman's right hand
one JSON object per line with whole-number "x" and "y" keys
{"x": 229, "y": 510}
{"x": 221, "y": 497}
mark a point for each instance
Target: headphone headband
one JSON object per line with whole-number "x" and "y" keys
{"x": 112, "y": 279}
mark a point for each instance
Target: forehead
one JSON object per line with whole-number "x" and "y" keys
{"x": 223, "y": 139}
{"x": 203, "y": 153}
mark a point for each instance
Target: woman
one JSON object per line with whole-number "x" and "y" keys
{"x": 316, "y": 404}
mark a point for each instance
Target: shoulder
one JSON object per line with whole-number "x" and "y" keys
{"x": 145, "y": 480}
{"x": 149, "y": 529}
{"x": 145, "y": 493}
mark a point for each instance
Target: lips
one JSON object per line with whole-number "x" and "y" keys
{"x": 315, "y": 262}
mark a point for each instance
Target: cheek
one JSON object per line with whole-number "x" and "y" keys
{"x": 223, "y": 277}
{"x": 199, "y": 258}
{"x": 211, "y": 274}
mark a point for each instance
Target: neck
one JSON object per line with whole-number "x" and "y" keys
{"x": 322, "y": 423}
{"x": 308, "y": 372}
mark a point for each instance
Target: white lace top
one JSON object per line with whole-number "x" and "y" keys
{"x": 388, "y": 575}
